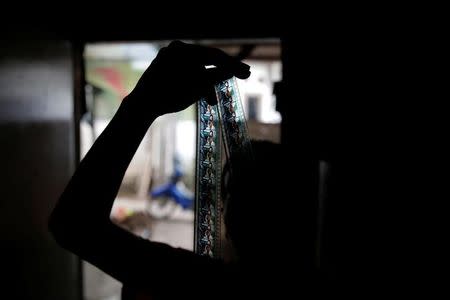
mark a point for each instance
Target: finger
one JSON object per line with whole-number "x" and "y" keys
{"x": 211, "y": 97}
{"x": 217, "y": 75}
{"x": 207, "y": 92}
{"x": 212, "y": 56}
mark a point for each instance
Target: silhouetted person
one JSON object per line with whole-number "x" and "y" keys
{"x": 81, "y": 221}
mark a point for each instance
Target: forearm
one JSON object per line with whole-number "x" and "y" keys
{"x": 90, "y": 194}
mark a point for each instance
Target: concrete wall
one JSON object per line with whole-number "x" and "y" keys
{"x": 37, "y": 156}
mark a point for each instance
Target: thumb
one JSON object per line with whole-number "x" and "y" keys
{"x": 211, "y": 97}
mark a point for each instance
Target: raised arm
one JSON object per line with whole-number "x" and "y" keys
{"x": 80, "y": 221}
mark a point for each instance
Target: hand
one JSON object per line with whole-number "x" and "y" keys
{"x": 177, "y": 77}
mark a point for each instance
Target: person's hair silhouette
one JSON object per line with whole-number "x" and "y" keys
{"x": 251, "y": 187}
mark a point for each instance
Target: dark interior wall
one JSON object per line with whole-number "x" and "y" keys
{"x": 333, "y": 98}
{"x": 349, "y": 99}
{"x": 37, "y": 156}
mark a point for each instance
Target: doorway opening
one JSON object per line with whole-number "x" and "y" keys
{"x": 167, "y": 155}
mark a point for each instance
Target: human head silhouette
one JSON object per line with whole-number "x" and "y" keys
{"x": 252, "y": 191}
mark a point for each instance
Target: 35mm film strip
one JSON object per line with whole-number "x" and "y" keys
{"x": 227, "y": 117}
